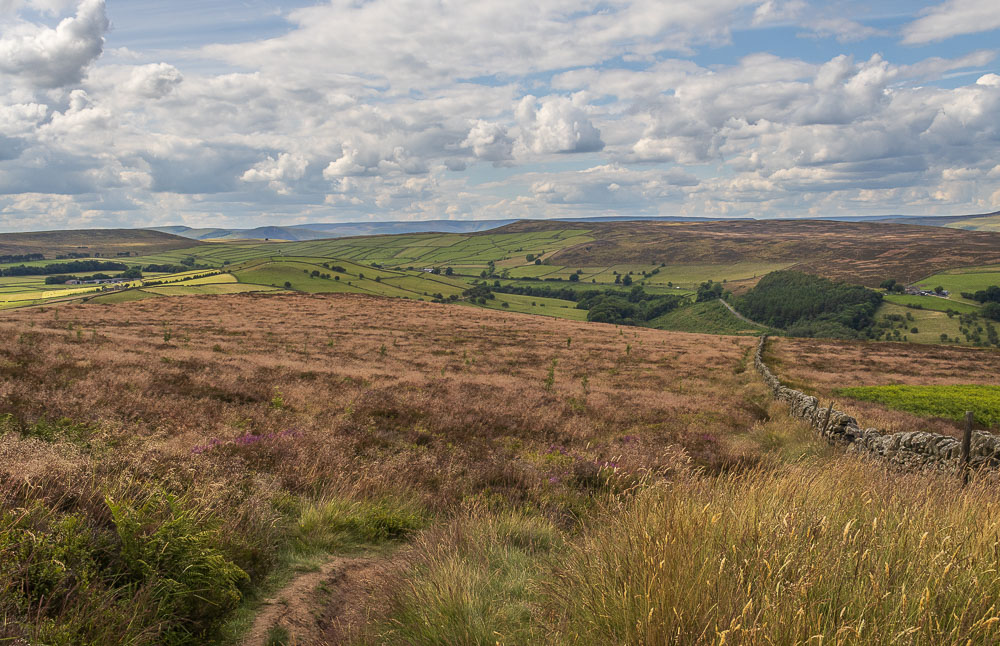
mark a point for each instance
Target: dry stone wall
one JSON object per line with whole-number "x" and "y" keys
{"x": 911, "y": 450}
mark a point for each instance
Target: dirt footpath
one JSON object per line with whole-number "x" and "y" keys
{"x": 325, "y": 607}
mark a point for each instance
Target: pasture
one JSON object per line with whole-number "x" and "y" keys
{"x": 935, "y": 303}
{"x": 822, "y": 367}
{"x": 948, "y": 401}
{"x": 966, "y": 279}
{"x": 536, "y": 305}
{"x": 930, "y": 324}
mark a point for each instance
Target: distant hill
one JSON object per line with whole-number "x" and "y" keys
{"x": 317, "y": 231}
{"x": 91, "y": 242}
{"x": 982, "y": 222}
{"x": 860, "y": 252}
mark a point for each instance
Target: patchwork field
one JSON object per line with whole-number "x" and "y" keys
{"x": 658, "y": 256}
{"x": 862, "y": 252}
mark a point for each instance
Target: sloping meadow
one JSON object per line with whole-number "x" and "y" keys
{"x": 160, "y": 459}
{"x": 163, "y": 461}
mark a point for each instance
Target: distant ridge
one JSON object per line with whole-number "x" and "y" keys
{"x": 319, "y": 230}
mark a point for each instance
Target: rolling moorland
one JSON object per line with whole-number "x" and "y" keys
{"x": 518, "y": 260}
{"x": 289, "y": 443}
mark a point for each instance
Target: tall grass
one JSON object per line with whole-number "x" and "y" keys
{"x": 835, "y": 552}
{"x": 474, "y": 582}
{"x": 827, "y": 551}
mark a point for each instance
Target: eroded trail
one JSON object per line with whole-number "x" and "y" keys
{"x": 325, "y": 607}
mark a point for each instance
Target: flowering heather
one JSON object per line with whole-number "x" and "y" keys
{"x": 244, "y": 440}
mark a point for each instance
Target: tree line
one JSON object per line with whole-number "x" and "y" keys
{"x": 72, "y": 267}
{"x": 633, "y": 307}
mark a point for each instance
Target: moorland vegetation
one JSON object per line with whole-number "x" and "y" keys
{"x": 167, "y": 462}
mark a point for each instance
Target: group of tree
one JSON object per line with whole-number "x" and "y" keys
{"x": 708, "y": 291}
{"x": 633, "y": 307}
{"x": 806, "y": 305}
{"x": 892, "y": 285}
{"x": 989, "y": 295}
{"x": 24, "y": 257}
{"x": 72, "y": 267}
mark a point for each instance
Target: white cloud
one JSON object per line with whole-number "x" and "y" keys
{"x": 384, "y": 110}
{"x": 489, "y": 141}
{"x": 989, "y": 80}
{"x": 556, "y": 125}
{"x": 49, "y": 58}
{"x": 278, "y": 172}
{"x": 843, "y": 29}
{"x": 953, "y": 18}
{"x": 154, "y": 81}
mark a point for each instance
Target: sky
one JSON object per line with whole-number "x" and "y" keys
{"x": 241, "y": 113}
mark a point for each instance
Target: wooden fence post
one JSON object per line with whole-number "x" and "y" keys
{"x": 963, "y": 460}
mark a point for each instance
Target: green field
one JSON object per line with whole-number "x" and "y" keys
{"x": 205, "y": 288}
{"x": 126, "y": 296}
{"x": 949, "y": 402}
{"x": 930, "y": 324}
{"x": 967, "y": 279}
{"x": 693, "y": 275}
{"x": 935, "y": 303}
{"x": 398, "y": 251}
{"x": 710, "y": 317}
{"x": 535, "y": 305}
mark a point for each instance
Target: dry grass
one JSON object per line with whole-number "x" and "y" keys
{"x": 563, "y": 483}
{"x": 820, "y": 366}
{"x": 788, "y": 557}
{"x": 238, "y": 421}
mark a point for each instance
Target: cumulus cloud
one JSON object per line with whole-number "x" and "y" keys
{"x": 55, "y": 57}
{"x": 556, "y": 125}
{"x": 278, "y": 172}
{"x": 154, "y": 81}
{"x": 489, "y": 141}
{"x": 952, "y": 18}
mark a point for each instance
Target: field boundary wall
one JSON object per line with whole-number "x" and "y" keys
{"x": 911, "y": 450}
